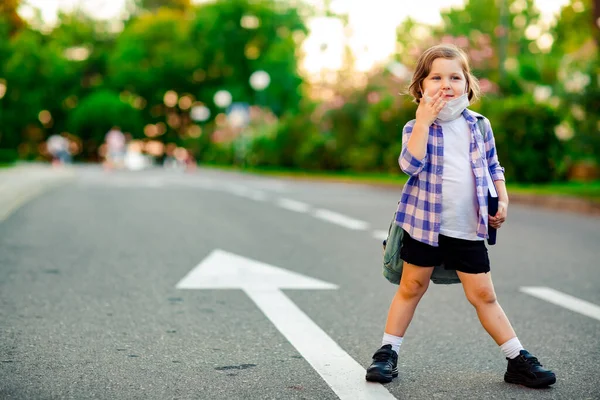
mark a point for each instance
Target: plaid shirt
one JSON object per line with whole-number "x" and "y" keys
{"x": 420, "y": 208}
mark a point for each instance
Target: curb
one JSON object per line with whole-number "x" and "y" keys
{"x": 21, "y": 184}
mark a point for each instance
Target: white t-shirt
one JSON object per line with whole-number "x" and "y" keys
{"x": 459, "y": 195}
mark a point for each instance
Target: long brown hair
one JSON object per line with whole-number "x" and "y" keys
{"x": 447, "y": 51}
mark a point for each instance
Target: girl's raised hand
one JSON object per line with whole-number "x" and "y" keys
{"x": 430, "y": 107}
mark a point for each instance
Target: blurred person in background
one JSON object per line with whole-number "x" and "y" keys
{"x": 135, "y": 159}
{"x": 58, "y": 147}
{"x": 115, "y": 148}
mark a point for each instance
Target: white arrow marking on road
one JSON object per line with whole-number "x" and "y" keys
{"x": 564, "y": 300}
{"x": 262, "y": 283}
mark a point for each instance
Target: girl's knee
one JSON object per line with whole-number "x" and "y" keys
{"x": 482, "y": 295}
{"x": 411, "y": 287}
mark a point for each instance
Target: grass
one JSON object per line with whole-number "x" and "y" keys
{"x": 583, "y": 190}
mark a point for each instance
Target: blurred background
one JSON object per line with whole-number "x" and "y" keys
{"x": 290, "y": 85}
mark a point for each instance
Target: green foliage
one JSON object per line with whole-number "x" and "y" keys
{"x": 219, "y": 153}
{"x": 581, "y": 110}
{"x": 574, "y": 27}
{"x": 156, "y": 4}
{"x": 97, "y": 113}
{"x": 262, "y": 152}
{"x": 196, "y": 50}
{"x": 232, "y": 52}
{"x": 525, "y": 140}
{"x": 291, "y": 131}
{"x": 8, "y": 12}
{"x": 318, "y": 152}
{"x": 8, "y": 156}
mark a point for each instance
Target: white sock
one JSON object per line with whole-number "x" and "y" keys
{"x": 395, "y": 341}
{"x": 511, "y": 348}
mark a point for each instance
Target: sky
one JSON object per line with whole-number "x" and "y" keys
{"x": 373, "y": 24}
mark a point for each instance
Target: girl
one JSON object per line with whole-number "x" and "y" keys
{"x": 443, "y": 211}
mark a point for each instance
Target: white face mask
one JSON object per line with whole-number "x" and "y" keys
{"x": 454, "y": 108}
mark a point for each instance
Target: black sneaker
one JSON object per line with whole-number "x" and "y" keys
{"x": 384, "y": 366}
{"x": 526, "y": 370}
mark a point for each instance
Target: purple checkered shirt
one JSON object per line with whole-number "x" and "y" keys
{"x": 420, "y": 207}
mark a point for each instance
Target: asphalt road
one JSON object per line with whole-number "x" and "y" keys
{"x": 90, "y": 308}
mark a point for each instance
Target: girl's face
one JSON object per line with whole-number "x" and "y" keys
{"x": 445, "y": 74}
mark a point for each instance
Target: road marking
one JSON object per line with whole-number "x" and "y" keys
{"x": 293, "y": 205}
{"x": 262, "y": 283}
{"x": 380, "y": 235}
{"x": 236, "y": 189}
{"x": 564, "y": 300}
{"x": 341, "y": 220}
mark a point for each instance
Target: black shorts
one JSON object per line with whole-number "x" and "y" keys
{"x": 470, "y": 256}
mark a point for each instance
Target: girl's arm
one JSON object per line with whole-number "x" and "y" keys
{"x": 410, "y": 164}
{"x": 497, "y": 173}
{"x": 502, "y": 192}
{"x": 427, "y": 112}
{"x": 417, "y": 143}
{"x": 496, "y": 170}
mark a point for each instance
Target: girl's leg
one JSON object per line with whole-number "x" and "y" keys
{"x": 479, "y": 290}
{"x": 413, "y": 285}
{"x": 523, "y": 368}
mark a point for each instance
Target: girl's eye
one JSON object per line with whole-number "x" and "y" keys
{"x": 435, "y": 78}
{"x": 457, "y": 78}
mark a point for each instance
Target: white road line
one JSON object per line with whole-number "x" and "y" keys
{"x": 263, "y": 284}
{"x": 246, "y": 192}
{"x": 380, "y": 235}
{"x": 238, "y": 190}
{"x": 564, "y": 300}
{"x": 293, "y": 205}
{"x": 341, "y": 372}
{"x": 257, "y": 195}
{"x": 341, "y": 220}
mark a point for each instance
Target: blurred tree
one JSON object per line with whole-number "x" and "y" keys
{"x": 575, "y": 27}
{"x": 152, "y": 56}
{"x": 44, "y": 73}
{"x": 501, "y": 37}
{"x": 578, "y": 85}
{"x": 8, "y": 11}
{"x": 239, "y": 37}
{"x": 78, "y": 48}
{"x": 527, "y": 146}
{"x": 596, "y": 21}
{"x": 97, "y": 113}
{"x": 153, "y": 5}
{"x": 23, "y": 101}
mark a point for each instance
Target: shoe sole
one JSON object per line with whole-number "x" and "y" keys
{"x": 520, "y": 380}
{"x": 375, "y": 376}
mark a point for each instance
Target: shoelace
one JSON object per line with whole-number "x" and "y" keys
{"x": 532, "y": 360}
